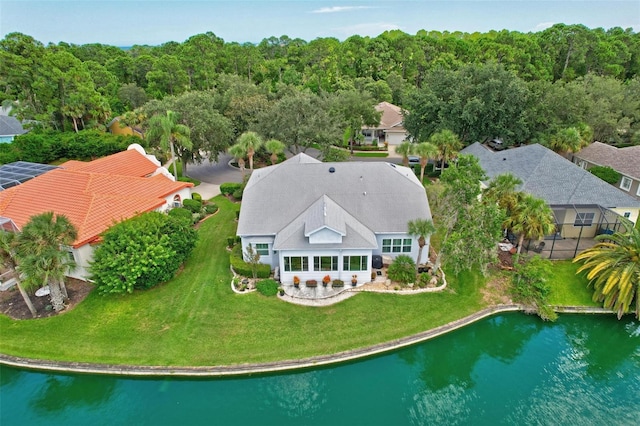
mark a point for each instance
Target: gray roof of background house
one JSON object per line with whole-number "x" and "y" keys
{"x": 550, "y": 176}
{"x": 624, "y": 160}
{"x": 10, "y": 126}
{"x": 362, "y": 197}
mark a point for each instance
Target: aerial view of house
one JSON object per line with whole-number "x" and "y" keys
{"x": 94, "y": 195}
{"x": 390, "y": 130}
{"x": 625, "y": 161}
{"x": 310, "y": 219}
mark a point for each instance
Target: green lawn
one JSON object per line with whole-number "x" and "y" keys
{"x": 196, "y": 319}
{"x": 370, "y": 154}
{"x": 567, "y": 288}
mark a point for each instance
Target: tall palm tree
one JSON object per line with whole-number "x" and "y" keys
{"x": 614, "y": 269}
{"x": 8, "y": 243}
{"x": 238, "y": 152}
{"x": 41, "y": 254}
{"x": 405, "y": 149}
{"x": 566, "y": 141}
{"x": 448, "y": 145}
{"x": 167, "y": 130}
{"x": 425, "y": 150}
{"x": 421, "y": 228}
{"x": 251, "y": 142}
{"x": 502, "y": 190}
{"x": 530, "y": 218}
{"x": 275, "y": 148}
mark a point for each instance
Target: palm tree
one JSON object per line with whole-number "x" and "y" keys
{"x": 566, "y": 141}
{"x": 251, "y": 142}
{"x": 8, "y": 242}
{"x": 614, "y": 269}
{"x": 275, "y": 148}
{"x": 405, "y": 149}
{"x": 238, "y": 152}
{"x": 168, "y": 132}
{"x": 425, "y": 150}
{"x": 448, "y": 145}
{"x": 502, "y": 190}
{"x": 530, "y": 218}
{"x": 41, "y": 254}
{"x": 421, "y": 228}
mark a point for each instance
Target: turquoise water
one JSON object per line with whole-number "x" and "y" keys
{"x": 508, "y": 369}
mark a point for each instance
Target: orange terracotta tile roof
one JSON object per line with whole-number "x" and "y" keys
{"x": 125, "y": 163}
{"x": 92, "y": 201}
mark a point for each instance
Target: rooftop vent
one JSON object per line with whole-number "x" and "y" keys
{"x": 332, "y": 170}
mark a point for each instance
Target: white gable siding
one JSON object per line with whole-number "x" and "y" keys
{"x": 184, "y": 194}
{"x": 325, "y": 236}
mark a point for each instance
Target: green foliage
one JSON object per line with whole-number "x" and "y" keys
{"x": 606, "y": 173}
{"x": 210, "y": 208}
{"x": 530, "y": 285}
{"x": 142, "y": 252}
{"x": 195, "y": 206}
{"x": 243, "y": 268}
{"x": 337, "y": 283}
{"x": 333, "y": 154}
{"x": 229, "y": 188}
{"x": 237, "y": 194}
{"x": 267, "y": 287}
{"x": 181, "y": 213}
{"x": 402, "y": 269}
{"x": 196, "y": 196}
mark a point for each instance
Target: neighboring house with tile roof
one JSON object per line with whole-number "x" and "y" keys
{"x": 391, "y": 127}
{"x": 94, "y": 195}
{"x": 10, "y": 127}
{"x": 625, "y": 161}
{"x": 310, "y": 219}
{"x": 582, "y": 203}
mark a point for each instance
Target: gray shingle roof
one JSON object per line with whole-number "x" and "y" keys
{"x": 624, "y": 160}
{"x": 10, "y": 126}
{"x": 381, "y": 197}
{"x": 550, "y": 176}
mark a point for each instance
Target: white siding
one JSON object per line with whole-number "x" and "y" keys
{"x": 363, "y": 276}
{"x": 325, "y": 236}
{"x": 83, "y": 256}
{"x": 272, "y": 258}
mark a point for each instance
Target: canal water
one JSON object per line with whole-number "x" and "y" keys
{"x": 507, "y": 369}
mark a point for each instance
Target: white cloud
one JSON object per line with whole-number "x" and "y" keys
{"x": 335, "y": 9}
{"x": 371, "y": 29}
{"x": 543, "y": 26}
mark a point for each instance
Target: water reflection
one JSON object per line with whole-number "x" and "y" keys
{"x": 61, "y": 392}
{"x": 295, "y": 395}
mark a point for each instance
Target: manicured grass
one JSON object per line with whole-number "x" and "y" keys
{"x": 196, "y": 319}
{"x": 371, "y": 154}
{"x": 567, "y": 288}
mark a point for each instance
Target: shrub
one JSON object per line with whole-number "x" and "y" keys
{"x": 182, "y": 213}
{"x": 196, "y": 196}
{"x": 423, "y": 279}
{"x": 606, "y": 173}
{"x": 311, "y": 283}
{"x": 193, "y": 205}
{"x": 237, "y": 194}
{"x": 210, "y": 208}
{"x": 243, "y": 268}
{"x": 402, "y": 269}
{"x": 267, "y": 287}
{"x": 231, "y": 241}
{"x": 337, "y": 283}
{"x": 333, "y": 154}
{"x": 530, "y": 286}
{"x": 229, "y": 188}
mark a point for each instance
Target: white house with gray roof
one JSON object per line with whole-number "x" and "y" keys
{"x": 312, "y": 219}
{"x": 583, "y": 204}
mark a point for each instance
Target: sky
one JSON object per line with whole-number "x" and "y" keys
{"x": 153, "y": 22}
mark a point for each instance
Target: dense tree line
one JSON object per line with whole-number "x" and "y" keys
{"x": 523, "y": 87}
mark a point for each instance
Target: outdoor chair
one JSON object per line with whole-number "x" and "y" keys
{"x": 539, "y": 247}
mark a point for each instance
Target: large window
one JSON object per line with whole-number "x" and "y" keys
{"x": 262, "y": 249}
{"x": 296, "y": 264}
{"x": 396, "y": 245}
{"x": 325, "y": 263}
{"x": 584, "y": 219}
{"x": 625, "y": 183}
{"x": 355, "y": 263}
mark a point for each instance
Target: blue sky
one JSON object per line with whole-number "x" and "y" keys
{"x": 124, "y": 23}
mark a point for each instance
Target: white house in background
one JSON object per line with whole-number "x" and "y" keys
{"x": 625, "y": 161}
{"x": 390, "y": 130}
{"x": 312, "y": 219}
{"x": 93, "y": 196}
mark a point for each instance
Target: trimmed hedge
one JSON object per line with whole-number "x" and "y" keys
{"x": 181, "y": 212}
{"x": 243, "y": 268}
{"x": 267, "y": 287}
{"x": 210, "y": 208}
{"x": 194, "y": 205}
{"x": 196, "y": 196}
{"x": 229, "y": 188}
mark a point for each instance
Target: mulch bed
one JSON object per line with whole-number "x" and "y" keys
{"x": 12, "y": 304}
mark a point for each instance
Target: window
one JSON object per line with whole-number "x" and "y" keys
{"x": 582, "y": 164}
{"x": 638, "y": 191}
{"x": 355, "y": 263}
{"x": 262, "y": 249}
{"x": 396, "y": 245}
{"x": 584, "y": 219}
{"x": 625, "y": 183}
{"x": 325, "y": 263}
{"x": 296, "y": 264}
